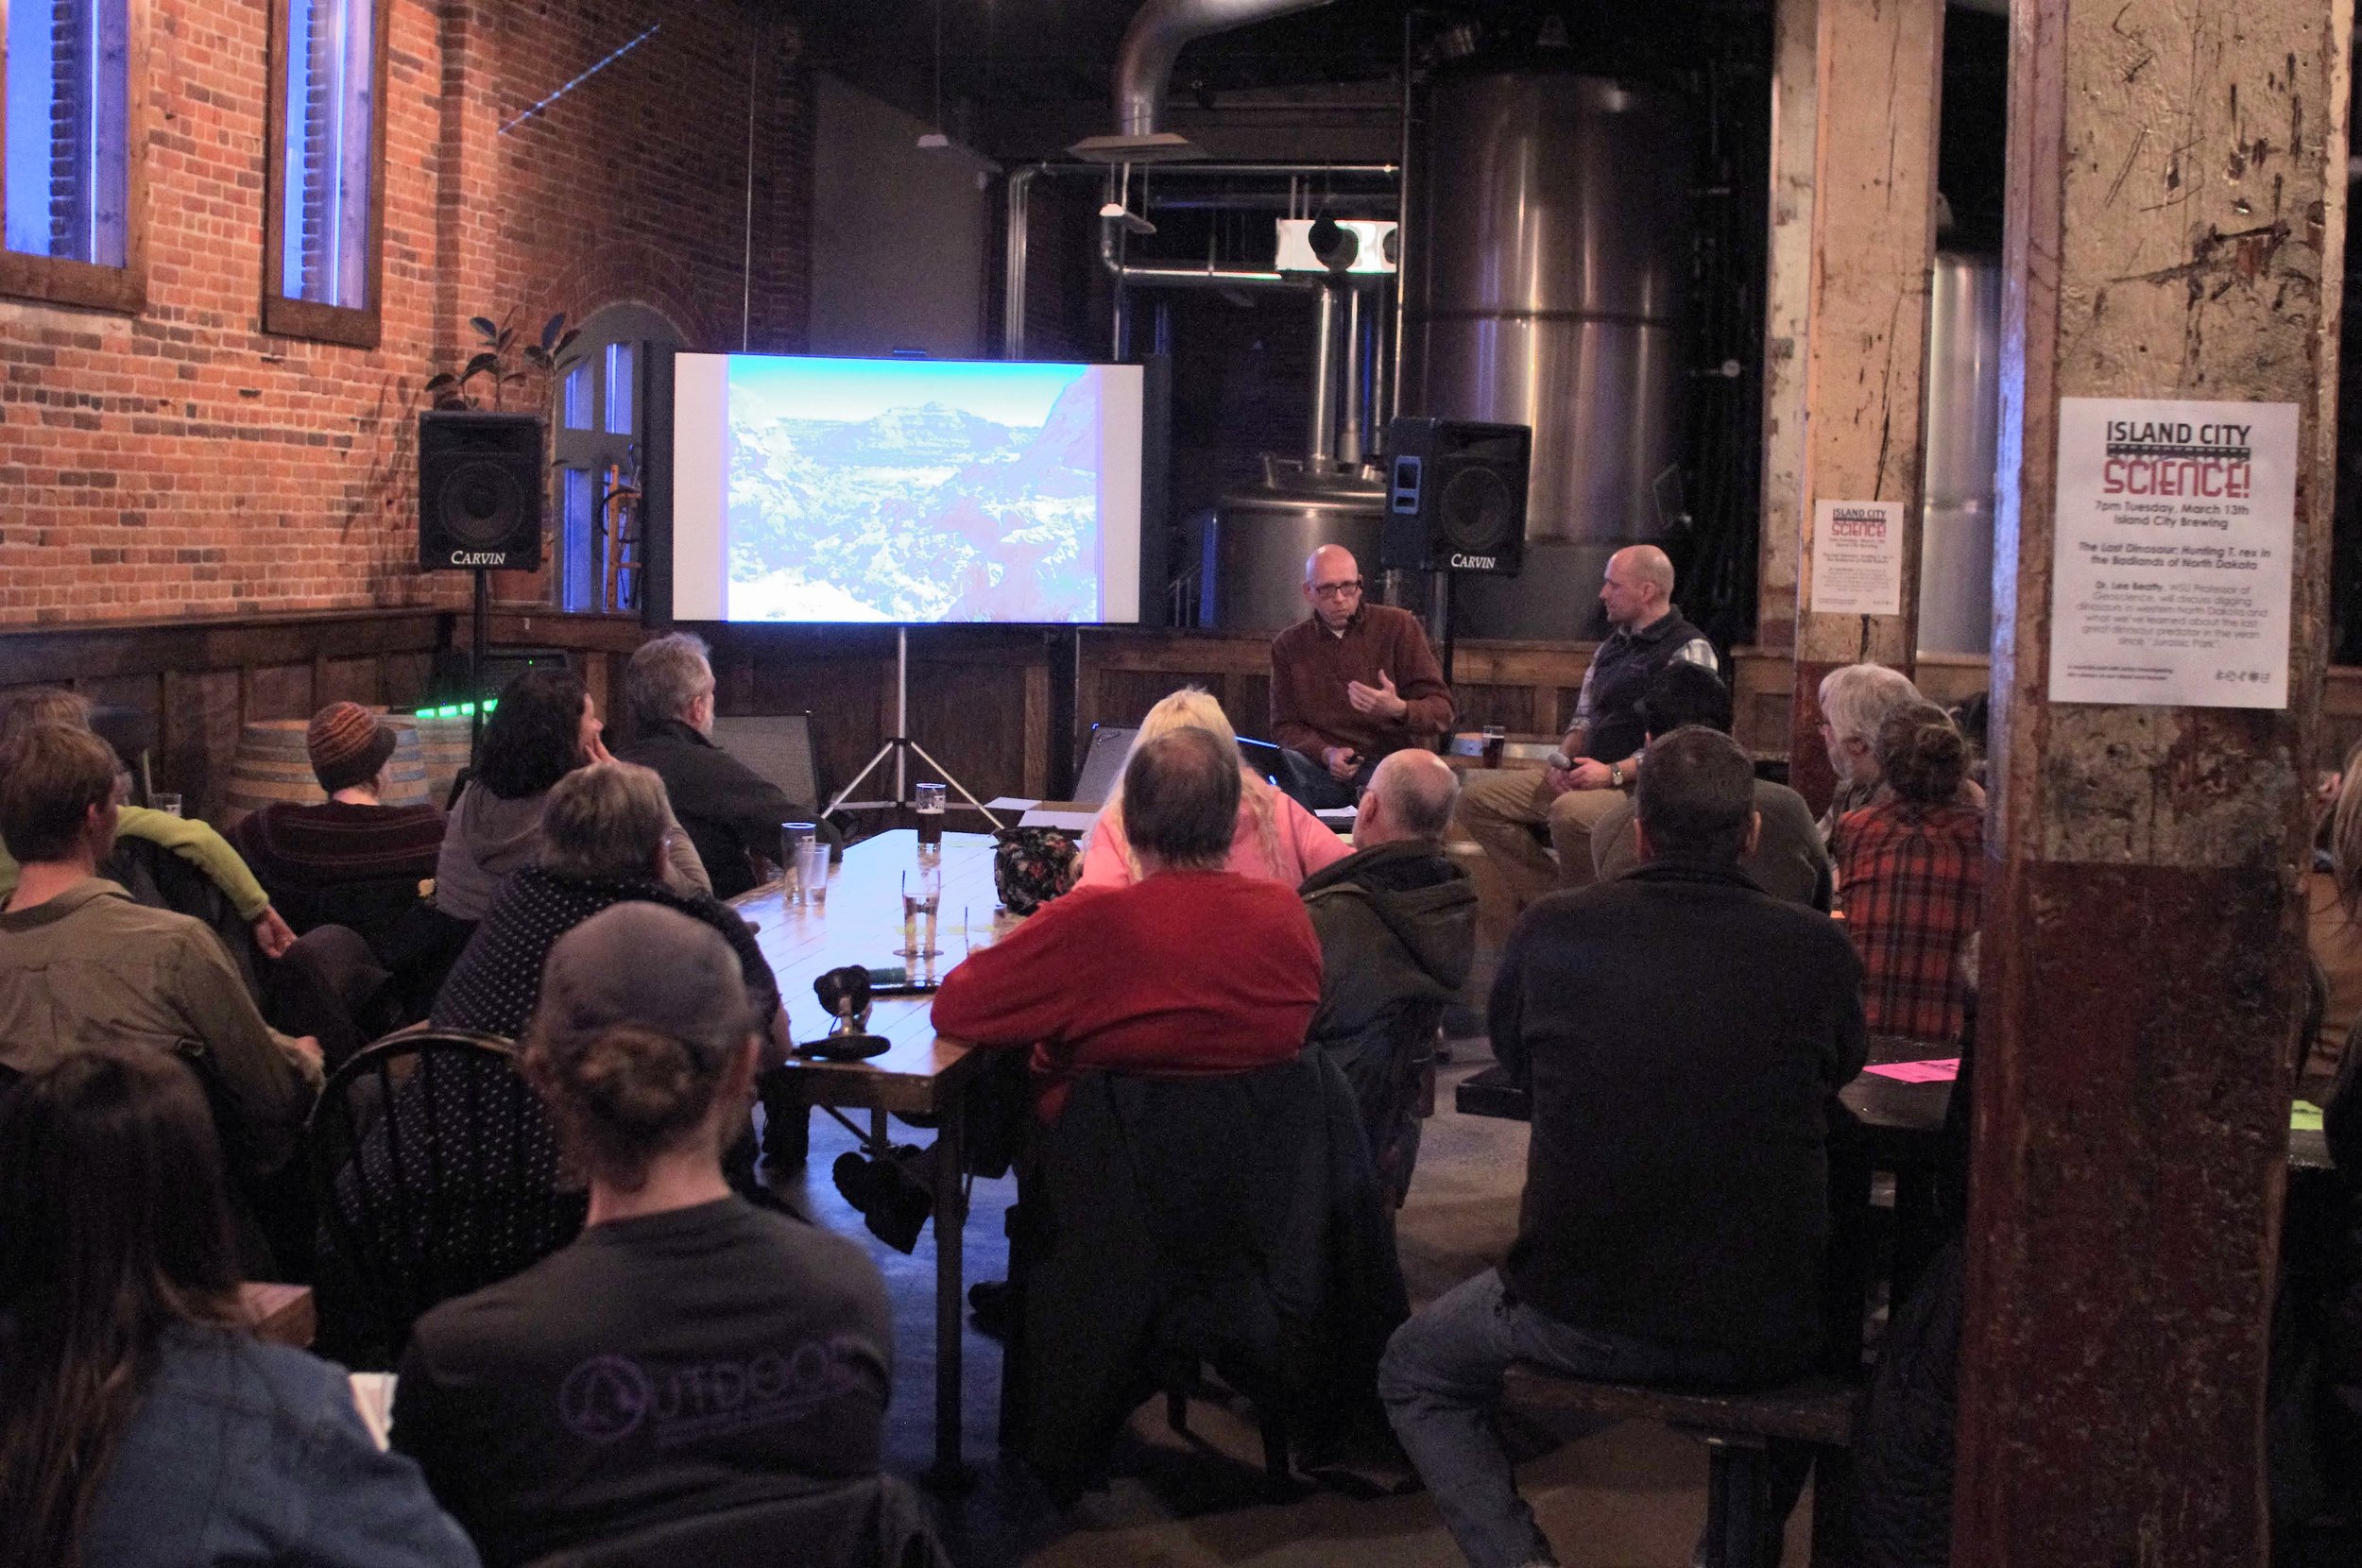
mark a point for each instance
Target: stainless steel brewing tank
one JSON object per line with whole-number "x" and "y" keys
{"x": 1550, "y": 251}
{"x": 1963, "y": 444}
{"x": 1252, "y": 574}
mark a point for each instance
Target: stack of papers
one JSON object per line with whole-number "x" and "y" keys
{"x": 1941, "y": 1070}
{"x": 1072, "y": 822}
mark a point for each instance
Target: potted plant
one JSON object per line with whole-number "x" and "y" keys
{"x": 497, "y": 362}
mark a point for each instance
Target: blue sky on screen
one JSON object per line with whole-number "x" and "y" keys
{"x": 777, "y": 387}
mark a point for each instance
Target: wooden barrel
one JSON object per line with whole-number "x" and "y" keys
{"x": 445, "y": 744}
{"x": 272, "y": 765}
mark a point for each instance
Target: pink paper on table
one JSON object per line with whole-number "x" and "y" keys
{"x": 1941, "y": 1070}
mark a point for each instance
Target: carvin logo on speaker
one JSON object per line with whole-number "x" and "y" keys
{"x": 1473, "y": 563}
{"x": 479, "y": 557}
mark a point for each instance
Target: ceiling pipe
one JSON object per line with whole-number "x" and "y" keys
{"x": 1209, "y": 276}
{"x": 1144, "y": 59}
{"x": 1158, "y": 30}
{"x": 1018, "y": 198}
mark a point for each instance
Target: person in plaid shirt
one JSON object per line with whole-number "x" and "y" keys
{"x": 1910, "y": 875}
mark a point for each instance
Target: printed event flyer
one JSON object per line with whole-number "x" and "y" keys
{"x": 1857, "y": 557}
{"x": 2171, "y": 577}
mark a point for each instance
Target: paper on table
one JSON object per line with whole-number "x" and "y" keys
{"x": 2305, "y": 1117}
{"x": 1941, "y": 1070}
{"x": 1073, "y": 822}
{"x": 1012, "y": 803}
{"x": 1338, "y": 816}
{"x": 373, "y": 1396}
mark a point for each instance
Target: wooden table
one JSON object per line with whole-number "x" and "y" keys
{"x": 861, "y": 922}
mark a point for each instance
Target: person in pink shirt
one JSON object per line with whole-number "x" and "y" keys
{"x": 1277, "y": 840}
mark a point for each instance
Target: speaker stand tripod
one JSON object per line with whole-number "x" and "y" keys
{"x": 900, "y": 747}
{"x": 1448, "y": 617}
{"x": 479, "y": 633}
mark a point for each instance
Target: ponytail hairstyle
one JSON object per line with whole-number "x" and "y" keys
{"x": 116, "y": 1221}
{"x": 642, "y": 1019}
{"x": 625, "y": 1097}
{"x": 1921, "y": 756}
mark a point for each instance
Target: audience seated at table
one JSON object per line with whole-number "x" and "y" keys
{"x": 600, "y": 840}
{"x": 140, "y": 1426}
{"x": 731, "y": 814}
{"x": 1274, "y": 838}
{"x": 1189, "y": 967}
{"x": 687, "y": 1352}
{"x": 1683, "y": 1035}
{"x": 1910, "y": 873}
{"x": 1856, "y": 702}
{"x": 1396, "y": 923}
{"x": 1788, "y": 860}
{"x": 214, "y": 864}
{"x": 544, "y": 728}
{"x": 81, "y": 965}
{"x": 351, "y": 860}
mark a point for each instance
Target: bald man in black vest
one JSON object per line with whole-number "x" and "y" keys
{"x": 1600, "y": 759}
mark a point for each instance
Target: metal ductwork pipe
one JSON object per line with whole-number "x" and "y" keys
{"x": 1349, "y": 418}
{"x": 1155, "y": 39}
{"x": 1321, "y": 443}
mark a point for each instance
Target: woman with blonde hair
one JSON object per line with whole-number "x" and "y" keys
{"x": 1277, "y": 839}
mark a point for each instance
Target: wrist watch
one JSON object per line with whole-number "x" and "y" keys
{"x": 1615, "y": 775}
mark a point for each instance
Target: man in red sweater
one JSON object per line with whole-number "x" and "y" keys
{"x": 1192, "y": 969}
{"x": 1351, "y": 683}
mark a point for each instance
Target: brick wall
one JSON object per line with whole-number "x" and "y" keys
{"x": 179, "y": 462}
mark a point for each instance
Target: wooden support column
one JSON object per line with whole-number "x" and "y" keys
{"x": 1787, "y": 313}
{"x": 2176, "y": 199}
{"x": 1881, "y": 74}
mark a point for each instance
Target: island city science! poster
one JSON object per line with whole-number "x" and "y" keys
{"x": 2172, "y": 569}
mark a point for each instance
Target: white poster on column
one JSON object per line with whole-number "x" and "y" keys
{"x": 1857, "y": 557}
{"x": 2170, "y": 580}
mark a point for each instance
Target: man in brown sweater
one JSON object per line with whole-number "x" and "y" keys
{"x": 1351, "y": 683}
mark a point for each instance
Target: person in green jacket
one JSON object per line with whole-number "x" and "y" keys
{"x": 193, "y": 841}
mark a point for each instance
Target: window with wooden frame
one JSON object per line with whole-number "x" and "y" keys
{"x": 324, "y": 200}
{"x": 73, "y": 153}
{"x": 600, "y": 393}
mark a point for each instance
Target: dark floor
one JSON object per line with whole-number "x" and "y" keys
{"x": 1630, "y": 1496}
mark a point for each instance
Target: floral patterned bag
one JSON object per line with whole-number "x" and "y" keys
{"x": 1033, "y": 865}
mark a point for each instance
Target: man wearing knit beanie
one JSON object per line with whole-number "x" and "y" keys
{"x": 351, "y": 860}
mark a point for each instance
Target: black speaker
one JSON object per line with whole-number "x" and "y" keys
{"x": 479, "y": 491}
{"x": 1456, "y": 496}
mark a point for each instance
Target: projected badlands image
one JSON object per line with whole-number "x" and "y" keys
{"x": 913, "y": 491}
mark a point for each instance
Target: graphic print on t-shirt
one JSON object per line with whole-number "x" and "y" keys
{"x": 608, "y": 1398}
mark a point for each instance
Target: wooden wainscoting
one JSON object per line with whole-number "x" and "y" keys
{"x": 1528, "y": 686}
{"x": 203, "y": 680}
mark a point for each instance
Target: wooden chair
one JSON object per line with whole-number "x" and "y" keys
{"x": 437, "y": 1172}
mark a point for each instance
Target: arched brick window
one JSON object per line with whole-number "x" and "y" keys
{"x": 600, "y": 417}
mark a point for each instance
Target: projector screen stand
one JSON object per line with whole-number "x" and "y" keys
{"x": 901, "y": 748}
